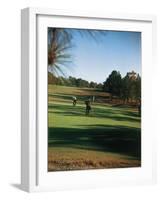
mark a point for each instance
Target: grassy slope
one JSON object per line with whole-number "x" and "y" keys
{"x": 109, "y": 137}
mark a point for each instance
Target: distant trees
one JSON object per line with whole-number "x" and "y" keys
{"x": 77, "y": 82}
{"x": 138, "y": 87}
{"x": 113, "y": 83}
{"x": 72, "y": 81}
{"x": 92, "y": 84}
{"x": 127, "y": 88}
{"x": 99, "y": 86}
{"x": 131, "y": 88}
{"x": 81, "y": 83}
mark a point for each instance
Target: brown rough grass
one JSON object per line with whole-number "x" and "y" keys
{"x": 84, "y": 159}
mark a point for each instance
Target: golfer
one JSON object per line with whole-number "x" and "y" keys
{"x": 88, "y": 106}
{"x": 74, "y": 101}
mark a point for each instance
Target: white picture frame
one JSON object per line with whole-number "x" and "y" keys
{"x": 34, "y": 176}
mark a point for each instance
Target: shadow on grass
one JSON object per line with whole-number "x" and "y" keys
{"x": 106, "y": 112}
{"x": 118, "y": 139}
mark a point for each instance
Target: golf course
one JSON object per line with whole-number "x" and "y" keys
{"x": 109, "y": 137}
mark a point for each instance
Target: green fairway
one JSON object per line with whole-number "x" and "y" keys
{"x": 110, "y": 137}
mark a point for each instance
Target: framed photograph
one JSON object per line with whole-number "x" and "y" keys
{"x": 87, "y": 117}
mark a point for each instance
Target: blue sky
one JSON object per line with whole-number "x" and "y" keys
{"x": 95, "y": 60}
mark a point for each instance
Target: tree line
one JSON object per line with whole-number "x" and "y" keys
{"x": 127, "y": 88}
{"x": 72, "y": 82}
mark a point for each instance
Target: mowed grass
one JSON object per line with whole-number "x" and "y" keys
{"x": 110, "y": 137}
